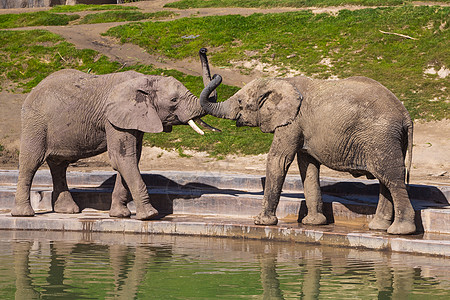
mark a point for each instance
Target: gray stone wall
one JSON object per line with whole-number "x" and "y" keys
{"x": 47, "y": 3}
{"x": 30, "y": 3}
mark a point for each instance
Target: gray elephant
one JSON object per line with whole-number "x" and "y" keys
{"x": 355, "y": 125}
{"x": 72, "y": 115}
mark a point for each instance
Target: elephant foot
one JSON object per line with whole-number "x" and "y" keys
{"x": 22, "y": 211}
{"x": 119, "y": 211}
{"x": 65, "y": 204}
{"x": 379, "y": 224}
{"x": 146, "y": 212}
{"x": 265, "y": 219}
{"x": 402, "y": 227}
{"x": 315, "y": 219}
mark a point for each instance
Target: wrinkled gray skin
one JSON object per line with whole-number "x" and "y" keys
{"x": 354, "y": 125}
{"x": 72, "y": 115}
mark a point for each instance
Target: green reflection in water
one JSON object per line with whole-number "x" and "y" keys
{"x": 52, "y": 265}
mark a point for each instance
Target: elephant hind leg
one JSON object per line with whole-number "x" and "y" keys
{"x": 403, "y": 211}
{"x": 61, "y": 198}
{"x": 31, "y": 157}
{"x": 385, "y": 210}
{"x": 309, "y": 171}
{"x": 392, "y": 181}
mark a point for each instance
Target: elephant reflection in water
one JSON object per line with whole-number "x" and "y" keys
{"x": 316, "y": 271}
{"x": 129, "y": 268}
{"x": 24, "y": 287}
{"x": 269, "y": 278}
{"x": 128, "y": 272}
{"x": 321, "y": 268}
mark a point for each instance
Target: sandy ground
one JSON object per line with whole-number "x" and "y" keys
{"x": 431, "y": 154}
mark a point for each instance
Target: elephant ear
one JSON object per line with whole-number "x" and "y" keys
{"x": 130, "y": 106}
{"x": 279, "y": 104}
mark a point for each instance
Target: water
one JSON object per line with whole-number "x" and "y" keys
{"x": 53, "y": 265}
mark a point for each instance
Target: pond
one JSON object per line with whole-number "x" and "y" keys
{"x": 62, "y": 265}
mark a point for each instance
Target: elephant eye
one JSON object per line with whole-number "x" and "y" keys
{"x": 174, "y": 99}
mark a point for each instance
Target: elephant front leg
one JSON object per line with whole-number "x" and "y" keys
{"x": 279, "y": 159}
{"x": 29, "y": 162}
{"x": 275, "y": 175}
{"x": 123, "y": 151}
{"x": 309, "y": 171}
{"x": 120, "y": 197}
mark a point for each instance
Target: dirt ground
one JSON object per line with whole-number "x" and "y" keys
{"x": 431, "y": 153}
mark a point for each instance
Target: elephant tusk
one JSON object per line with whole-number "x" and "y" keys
{"x": 195, "y": 127}
{"x": 206, "y": 125}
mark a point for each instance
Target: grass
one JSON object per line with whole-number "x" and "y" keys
{"x": 322, "y": 45}
{"x": 120, "y": 16}
{"x": 185, "y": 4}
{"x": 89, "y": 7}
{"x": 41, "y": 18}
{"x": 27, "y": 57}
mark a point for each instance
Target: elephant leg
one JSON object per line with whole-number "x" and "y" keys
{"x": 120, "y": 197}
{"x": 121, "y": 194}
{"x": 122, "y": 150}
{"x": 385, "y": 210}
{"x": 309, "y": 172}
{"x": 61, "y": 198}
{"x": 403, "y": 211}
{"x": 31, "y": 157}
{"x": 280, "y": 157}
{"x": 392, "y": 175}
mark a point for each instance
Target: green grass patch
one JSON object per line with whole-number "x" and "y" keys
{"x": 322, "y": 45}
{"x": 89, "y": 7}
{"x": 185, "y": 4}
{"x": 27, "y": 57}
{"x": 41, "y": 18}
{"x": 121, "y": 16}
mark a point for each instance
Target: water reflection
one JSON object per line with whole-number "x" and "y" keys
{"x": 102, "y": 266}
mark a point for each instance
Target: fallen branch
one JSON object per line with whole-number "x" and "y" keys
{"x": 61, "y": 57}
{"x": 399, "y": 34}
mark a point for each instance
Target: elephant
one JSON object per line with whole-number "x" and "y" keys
{"x": 72, "y": 115}
{"x": 354, "y": 125}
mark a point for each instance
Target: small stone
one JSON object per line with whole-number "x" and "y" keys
{"x": 291, "y": 56}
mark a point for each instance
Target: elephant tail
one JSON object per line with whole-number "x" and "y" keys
{"x": 408, "y": 162}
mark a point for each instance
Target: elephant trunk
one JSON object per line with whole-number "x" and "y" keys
{"x": 206, "y": 72}
{"x": 194, "y": 111}
{"x": 225, "y": 110}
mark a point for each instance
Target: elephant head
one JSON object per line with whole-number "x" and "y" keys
{"x": 153, "y": 104}
{"x": 267, "y": 103}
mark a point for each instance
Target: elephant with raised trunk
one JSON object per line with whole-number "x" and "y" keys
{"x": 72, "y": 115}
{"x": 355, "y": 125}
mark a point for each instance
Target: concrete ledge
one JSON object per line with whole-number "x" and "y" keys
{"x": 345, "y": 202}
{"x": 212, "y": 226}
{"x": 211, "y": 180}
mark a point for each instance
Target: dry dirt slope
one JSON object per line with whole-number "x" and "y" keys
{"x": 431, "y": 155}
